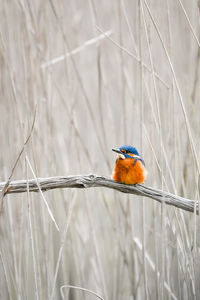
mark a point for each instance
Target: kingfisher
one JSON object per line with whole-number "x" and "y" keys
{"x": 129, "y": 167}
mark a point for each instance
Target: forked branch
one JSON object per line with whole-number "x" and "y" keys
{"x": 92, "y": 180}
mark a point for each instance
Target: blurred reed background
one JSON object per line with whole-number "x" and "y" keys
{"x": 136, "y": 84}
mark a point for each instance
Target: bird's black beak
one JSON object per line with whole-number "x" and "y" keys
{"x": 117, "y": 150}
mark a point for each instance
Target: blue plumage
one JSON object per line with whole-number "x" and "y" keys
{"x": 129, "y": 149}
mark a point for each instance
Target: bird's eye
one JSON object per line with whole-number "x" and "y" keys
{"x": 124, "y": 151}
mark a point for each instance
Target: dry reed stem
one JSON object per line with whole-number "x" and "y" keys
{"x": 78, "y": 288}
{"x": 17, "y": 160}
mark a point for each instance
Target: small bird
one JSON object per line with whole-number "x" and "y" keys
{"x": 129, "y": 166}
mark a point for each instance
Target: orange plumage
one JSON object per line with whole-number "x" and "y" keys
{"x": 129, "y": 167}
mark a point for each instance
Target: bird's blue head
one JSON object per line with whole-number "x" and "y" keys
{"x": 127, "y": 151}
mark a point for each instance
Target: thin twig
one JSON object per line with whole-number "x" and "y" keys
{"x": 4, "y": 190}
{"x": 93, "y": 180}
{"x": 190, "y": 24}
{"x": 78, "y": 288}
{"x": 68, "y": 220}
{"x": 31, "y": 237}
{"x": 76, "y": 50}
{"x": 41, "y": 193}
{"x": 137, "y": 59}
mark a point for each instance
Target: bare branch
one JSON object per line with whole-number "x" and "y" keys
{"x": 92, "y": 180}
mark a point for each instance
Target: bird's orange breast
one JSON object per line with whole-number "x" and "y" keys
{"x": 126, "y": 172}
